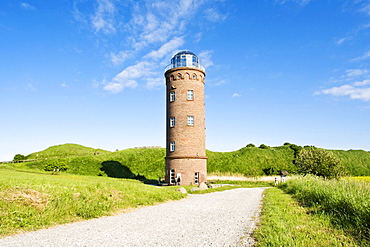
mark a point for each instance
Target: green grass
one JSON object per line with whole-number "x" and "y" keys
{"x": 30, "y": 201}
{"x": 250, "y": 162}
{"x": 285, "y": 223}
{"x": 345, "y": 203}
{"x": 66, "y": 150}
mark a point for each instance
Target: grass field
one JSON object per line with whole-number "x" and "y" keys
{"x": 316, "y": 212}
{"x": 30, "y": 201}
{"x": 284, "y": 222}
{"x": 149, "y": 162}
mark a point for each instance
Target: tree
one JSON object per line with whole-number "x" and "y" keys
{"x": 319, "y": 162}
{"x": 250, "y": 145}
{"x": 56, "y": 164}
{"x": 263, "y": 146}
{"x": 19, "y": 157}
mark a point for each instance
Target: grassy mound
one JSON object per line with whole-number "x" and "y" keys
{"x": 66, "y": 150}
{"x": 149, "y": 162}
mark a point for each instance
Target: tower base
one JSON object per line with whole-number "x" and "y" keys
{"x": 186, "y": 170}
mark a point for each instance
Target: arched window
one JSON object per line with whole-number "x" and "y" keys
{"x": 194, "y": 77}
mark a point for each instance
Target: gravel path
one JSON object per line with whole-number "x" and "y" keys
{"x": 215, "y": 219}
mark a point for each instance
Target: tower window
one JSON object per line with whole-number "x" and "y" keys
{"x": 172, "y": 176}
{"x": 172, "y": 146}
{"x": 196, "y": 178}
{"x": 172, "y": 122}
{"x": 190, "y": 95}
{"x": 172, "y": 96}
{"x": 191, "y": 120}
{"x": 194, "y": 76}
{"x": 179, "y": 76}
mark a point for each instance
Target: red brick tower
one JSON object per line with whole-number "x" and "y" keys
{"x": 186, "y": 159}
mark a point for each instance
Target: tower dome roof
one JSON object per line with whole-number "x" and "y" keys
{"x": 184, "y": 59}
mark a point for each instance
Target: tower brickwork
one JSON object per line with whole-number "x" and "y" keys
{"x": 186, "y": 160}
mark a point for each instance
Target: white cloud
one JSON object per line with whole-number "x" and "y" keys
{"x": 103, "y": 18}
{"x": 155, "y": 82}
{"x": 235, "y": 95}
{"x": 356, "y": 72}
{"x": 342, "y": 40}
{"x": 64, "y": 85}
{"x": 27, "y": 6}
{"x": 366, "y": 8}
{"x": 213, "y": 15}
{"x": 362, "y": 83}
{"x": 357, "y": 90}
{"x": 300, "y": 2}
{"x": 168, "y": 47}
{"x": 125, "y": 78}
{"x": 116, "y": 87}
{"x": 363, "y": 57}
{"x": 119, "y": 58}
{"x": 206, "y": 58}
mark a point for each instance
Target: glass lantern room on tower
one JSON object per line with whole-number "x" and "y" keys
{"x": 184, "y": 59}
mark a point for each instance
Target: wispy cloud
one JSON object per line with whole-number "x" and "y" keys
{"x": 363, "y": 57}
{"x": 103, "y": 18}
{"x": 300, "y": 2}
{"x": 166, "y": 48}
{"x": 213, "y": 15}
{"x": 356, "y": 72}
{"x": 27, "y": 6}
{"x": 206, "y": 58}
{"x": 348, "y": 90}
{"x": 235, "y": 95}
{"x": 120, "y": 57}
{"x": 151, "y": 30}
{"x": 356, "y": 87}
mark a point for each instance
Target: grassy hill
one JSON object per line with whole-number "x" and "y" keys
{"x": 149, "y": 162}
{"x": 66, "y": 150}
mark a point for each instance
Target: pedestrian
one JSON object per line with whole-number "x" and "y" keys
{"x": 276, "y": 182}
{"x": 178, "y": 180}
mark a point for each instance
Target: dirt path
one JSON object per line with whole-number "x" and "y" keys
{"x": 215, "y": 219}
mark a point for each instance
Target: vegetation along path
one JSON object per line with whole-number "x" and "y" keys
{"x": 216, "y": 219}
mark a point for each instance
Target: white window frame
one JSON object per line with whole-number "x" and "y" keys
{"x": 190, "y": 95}
{"x": 172, "y": 146}
{"x": 191, "y": 120}
{"x": 172, "y": 121}
{"x": 172, "y": 96}
{"x": 196, "y": 178}
{"x": 172, "y": 176}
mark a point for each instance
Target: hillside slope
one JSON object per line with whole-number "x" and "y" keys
{"x": 149, "y": 162}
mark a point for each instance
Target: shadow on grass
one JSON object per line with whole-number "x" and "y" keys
{"x": 115, "y": 169}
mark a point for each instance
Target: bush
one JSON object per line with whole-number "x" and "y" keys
{"x": 19, "y": 157}
{"x": 319, "y": 162}
{"x": 263, "y": 146}
{"x": 250, "y": 145}
{"x": 56, "y": 164}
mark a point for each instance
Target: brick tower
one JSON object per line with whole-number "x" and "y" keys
{"x": 186, "y": 159}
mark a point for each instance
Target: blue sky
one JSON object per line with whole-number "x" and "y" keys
{"x": 91, "y": 72}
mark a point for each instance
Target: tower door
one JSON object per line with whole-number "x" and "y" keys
{"x": 172, "y": 176}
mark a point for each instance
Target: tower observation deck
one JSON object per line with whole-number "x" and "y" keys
{"x": 184, "y": 59}
{"x": 186, "y": 161}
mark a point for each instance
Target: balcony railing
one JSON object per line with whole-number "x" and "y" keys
{"x": 172, "y": 66}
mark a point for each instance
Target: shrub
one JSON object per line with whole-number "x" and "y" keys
{"x": 319, "y": 162}
{"x": 19, "y": 157}
{"x": 55, "y": 164}
{"x": 263, "y": 146}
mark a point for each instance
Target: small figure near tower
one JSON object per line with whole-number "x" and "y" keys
{"x": 186, "y": 159}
